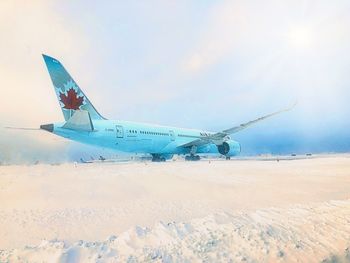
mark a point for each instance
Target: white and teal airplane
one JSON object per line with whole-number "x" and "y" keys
{"x": 84, "y": 124}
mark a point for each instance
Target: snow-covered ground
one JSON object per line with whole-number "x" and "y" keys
{"x": 211, "y": 211}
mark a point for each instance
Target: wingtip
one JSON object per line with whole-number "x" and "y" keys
{"x": 294, "y": 104}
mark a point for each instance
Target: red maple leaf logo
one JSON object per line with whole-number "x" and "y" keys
{"x": 71, "y": 101}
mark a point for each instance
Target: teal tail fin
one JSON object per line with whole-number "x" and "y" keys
{"x": 70, "y": 96}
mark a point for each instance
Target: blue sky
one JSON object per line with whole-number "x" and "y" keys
{"x": 196, "y": 64}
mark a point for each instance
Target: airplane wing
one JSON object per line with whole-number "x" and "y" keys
{"x": 219, "y": 136}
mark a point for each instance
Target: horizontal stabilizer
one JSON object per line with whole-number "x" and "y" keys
{"x": 22, "y": 128}
{"x": 80, "y": 121}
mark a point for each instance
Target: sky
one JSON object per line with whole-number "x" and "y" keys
{"x": 199, "y": 64}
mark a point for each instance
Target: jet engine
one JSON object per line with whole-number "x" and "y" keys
{"x": 229, "y": 148}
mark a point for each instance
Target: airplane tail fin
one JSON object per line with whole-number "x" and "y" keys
{"x": 70, "y": 96}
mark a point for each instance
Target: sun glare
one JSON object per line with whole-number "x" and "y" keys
{"x": 300, "y": 37}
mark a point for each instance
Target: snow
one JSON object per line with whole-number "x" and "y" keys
{"x": 233, "y": 211}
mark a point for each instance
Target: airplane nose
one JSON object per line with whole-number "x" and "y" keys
{"x": 47, "y": 127}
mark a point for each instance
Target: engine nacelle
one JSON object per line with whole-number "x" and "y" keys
{"x": 229, "y": 148}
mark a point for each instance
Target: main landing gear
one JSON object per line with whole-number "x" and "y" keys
{"x": 192, "y": 157}
{"x": 157, "y": 158}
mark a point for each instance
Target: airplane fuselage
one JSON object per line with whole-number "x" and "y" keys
{"x": 136, "y": 137}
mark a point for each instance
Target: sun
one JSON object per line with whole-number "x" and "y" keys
{"x": 300, "y": 37}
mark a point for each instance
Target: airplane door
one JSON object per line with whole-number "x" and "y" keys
{"x": 172, "y": 135}
{"x": 119, "y": 131}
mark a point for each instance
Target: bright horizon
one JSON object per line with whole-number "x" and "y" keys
{"x": 205, "y": 65}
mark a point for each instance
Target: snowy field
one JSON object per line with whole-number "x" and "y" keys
{"x": 207, "y": 211}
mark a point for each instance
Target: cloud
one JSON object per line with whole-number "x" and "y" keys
{"x": 28, "y": 29}
{"x": 287, "y": 50}
{"x": 206, "y": 65}
{"x": 250, "y": 28}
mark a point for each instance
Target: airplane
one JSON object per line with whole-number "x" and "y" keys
{"x": 84, "y": 124}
